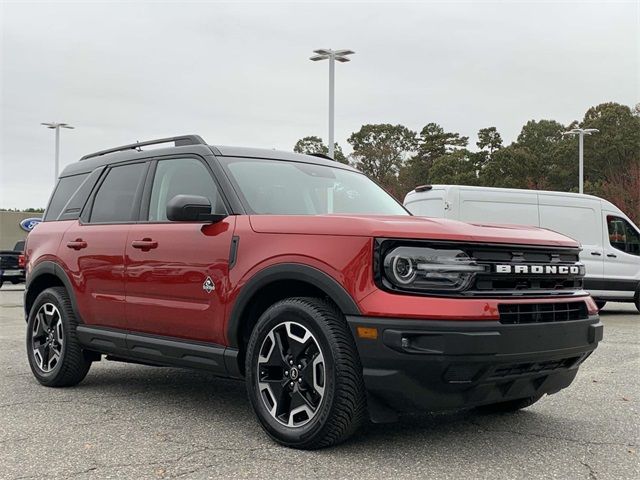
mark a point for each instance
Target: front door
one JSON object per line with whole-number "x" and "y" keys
{"x": 176, "y": 272}
{"x": 622, "y": 261}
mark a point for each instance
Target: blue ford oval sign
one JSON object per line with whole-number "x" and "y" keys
{"x": 29, "y": 223}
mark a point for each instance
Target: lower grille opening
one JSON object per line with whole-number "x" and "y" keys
{"x": 517, "y": 313}
{"x": 533, "y": 367}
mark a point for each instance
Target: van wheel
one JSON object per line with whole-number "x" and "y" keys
{"x": 600, "y": 304}
{"x": 510, "y": 406}
{"x": 304, "y": 375}
{"x": 55, "y": 356}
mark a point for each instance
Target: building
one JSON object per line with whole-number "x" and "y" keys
{"x": 10, "y": 229}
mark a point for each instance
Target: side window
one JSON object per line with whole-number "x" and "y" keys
{"x": 623, "y": 236}
{"x": 65, "y": 189}
{"x": 115, "y": 200}
{"x": 181, "y": 176}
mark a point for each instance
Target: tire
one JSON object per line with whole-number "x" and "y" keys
{"x": 15, "y": 282}
{"x": 323, "y": 384}
{"x": 600, "y": 304}
{"x": 55, "y": 356}
{"x": 510, "y": 406}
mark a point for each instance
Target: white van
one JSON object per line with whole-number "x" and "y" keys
{"x": 610, "y": 240}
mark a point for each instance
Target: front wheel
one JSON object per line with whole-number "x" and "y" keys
{"x": 53, "y": 350}
{"x": 304, "y": 376}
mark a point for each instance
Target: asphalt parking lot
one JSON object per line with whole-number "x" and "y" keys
{"x": 131, "y": 421}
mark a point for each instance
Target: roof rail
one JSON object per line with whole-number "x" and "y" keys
{"x": 177, "y": 141}
{"x": 321, "y": 155}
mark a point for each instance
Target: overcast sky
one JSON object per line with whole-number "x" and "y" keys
{"x": 238, "y": 73}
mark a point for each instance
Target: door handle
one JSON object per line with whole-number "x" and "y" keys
{"x": 145, "y": 244}
{"x": 612, "y": 255}
{"x": 597, "y": 254}
{"x": 77, "y": 244}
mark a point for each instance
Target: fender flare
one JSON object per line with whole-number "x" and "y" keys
{"x": 287, "y": 271}
{"x": 51, "y": 268}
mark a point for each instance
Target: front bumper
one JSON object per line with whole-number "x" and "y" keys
{"x": 439, "y": 365}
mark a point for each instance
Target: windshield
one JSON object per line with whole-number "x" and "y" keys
{"x": 290, "y": 188}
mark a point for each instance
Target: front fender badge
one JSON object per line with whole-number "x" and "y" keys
{"x": 208, "y": 285}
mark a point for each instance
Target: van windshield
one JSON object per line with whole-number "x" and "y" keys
{"x": 293, "y": 188}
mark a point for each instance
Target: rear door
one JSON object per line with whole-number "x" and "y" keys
{"x": 92, "y": 249}
{"x": 177, "y": 271}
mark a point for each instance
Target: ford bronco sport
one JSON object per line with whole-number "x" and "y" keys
{"x": 302, "y": 277}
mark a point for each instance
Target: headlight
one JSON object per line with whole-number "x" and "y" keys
{"x": 429, "y": 269}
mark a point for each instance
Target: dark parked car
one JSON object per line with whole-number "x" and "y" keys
{"x": 12, "y": 264}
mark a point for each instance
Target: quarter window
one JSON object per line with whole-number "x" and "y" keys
{"x": 116, "y": 198}
{"x": 65, "y": 189}
{"x": 623, "y": 236}
{"x": 181, "y": 176}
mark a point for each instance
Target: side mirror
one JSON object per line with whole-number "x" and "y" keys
{"x": 191, "y": 208}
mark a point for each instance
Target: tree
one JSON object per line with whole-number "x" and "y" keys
{"x": 313, "y": 144}
{"x": 456, "y": 168}
{"x": 623, "y": 190}
{"x": 379, "y": 151}
{"x": 432, "y": 143}
{"x": 514, "y": 167}
{"x": 617, "y": 144}
{"x": 540, "y": 158}
{"x": 489, "y": 139}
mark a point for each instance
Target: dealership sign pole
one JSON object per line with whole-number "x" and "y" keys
{"x": 57, "y": 126}
{"x": 332, "y": 56}
{"x": 581, "y": 132}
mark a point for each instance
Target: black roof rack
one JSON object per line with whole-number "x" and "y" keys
{"x": 321, "y": 155}
{"x": 177, "y": 141}
{"x": 422, "y": 188}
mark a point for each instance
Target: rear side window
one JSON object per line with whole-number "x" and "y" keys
{"x": 623, "y": 236}
{"x": 65, "y": 189}
{"x": 115, "y": 200}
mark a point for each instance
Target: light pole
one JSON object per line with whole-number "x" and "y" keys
{"x": 333, "y": 56}
{"x": 581, "y": 132}
{"x": 57, "y": 126}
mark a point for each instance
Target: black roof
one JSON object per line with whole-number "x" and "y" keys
{"x": 187, "y": 144}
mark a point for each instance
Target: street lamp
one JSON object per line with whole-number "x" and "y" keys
{"x": 332, "y": 56}
{"x": 581, "y": 132}
{"x": 57, "y": 126}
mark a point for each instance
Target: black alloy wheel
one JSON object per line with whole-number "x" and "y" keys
{"x": 53, "y": 350}
{"x": 304, "y": 376}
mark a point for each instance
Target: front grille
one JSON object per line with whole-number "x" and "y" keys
{"x": 512, "y": 284}
{"x": 517, "y": 313}
{"x": 533, "y": 367}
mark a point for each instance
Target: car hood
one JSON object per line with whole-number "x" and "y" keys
{"x": 407, "y": 227}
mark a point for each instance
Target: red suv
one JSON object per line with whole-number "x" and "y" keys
{"x": 302, "y": 277}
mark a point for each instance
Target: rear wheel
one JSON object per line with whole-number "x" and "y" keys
{"x": 600, "y": 304}
{"x": 53, "y": 350}
{"x": 304, "y": 375}
{"x": 509, "y": 406}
